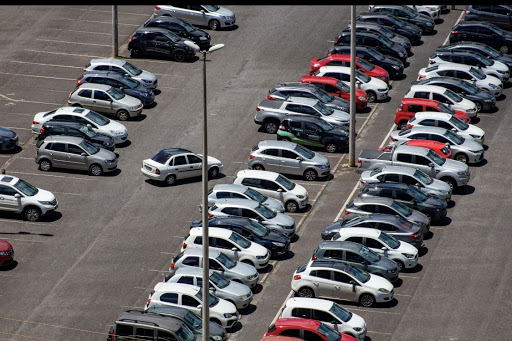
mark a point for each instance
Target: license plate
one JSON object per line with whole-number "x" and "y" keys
{"x": 148, "y": 168}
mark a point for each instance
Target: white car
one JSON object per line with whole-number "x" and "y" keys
{"x": 124, "y": 67}
{"x": 376, "y": 89}
{"x": 404, "y": 254}
{"x": 97, "y": 122}
{"x": 191, "y": 297}
{"x": 212, "y": 16}
{"x": 274, "y": 185}
{"x": 488, "y": 66}
{"x": 447, "y": 121}
{"x": 17, "y": 195}
{"x": 432, "y": 11}
{"x": 236, "y": 191}
{"x": 466, "y": 73}
{"x": 327, "y": 312}
{"x": 340, "y": 281}
{"x": 443, "y": 95}
{"x": 229, "y": 243}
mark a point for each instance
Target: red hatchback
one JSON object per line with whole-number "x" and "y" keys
{"x": 306, "y": 329}
{"x": 344, "y": 60}
{"x": 6, "y": 253}
{"x": 410, "y": 106}
{"x": 337, "y": 88}
{"x": 443, "y": 149}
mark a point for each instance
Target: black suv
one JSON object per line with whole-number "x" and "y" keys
{"x": 500, "y": 15}
{"x": 159, "y": 42}
{"x": 412, "y": 32}
{"x": 312, "y": 131}
{"x": 67, "y": 128}
{"x": 277, "y": 243}
{"x": 182, "y": 29}
{"x": 485, "y": 50}
{"x": 406, "y": 13}
{"x": 392, "y": 65}
{"x": 483, "y": 32}
{"x": 376, "y": 40}
{"x": 373, "y": 27}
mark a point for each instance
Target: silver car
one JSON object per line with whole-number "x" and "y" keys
{"x": 74, "y": 153}
{"x": 289, "y": 158}
{"x": 235, "y": 191}
{"x": 124, "y": 67}
{"x": 212, "y": 16}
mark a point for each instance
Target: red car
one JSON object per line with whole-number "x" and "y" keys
{"x": 443, "y": 149}
{"x": 337, "y": 88}
{"x": 344, "y": 60}
{"x": 306, "y": 329}
{"x": 6, "y": 253}
{"x": 410, "y": 106}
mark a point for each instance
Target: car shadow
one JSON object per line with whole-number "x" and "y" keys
{"x": 434, "y": 32}
{"x": 50, "y": 217}
{"x": 257, "y": 289}
{"x": 266, "y": 269}
{"x": 399, "y": 77}
{"x": 451, "y": 203}
{"x": 26, "y": 233}
{"x": 15, "y": 150}
{"x": 295, "y": 238}
{"x": 251, "y": 308}
{"x": 465, "y": 190}
{"x": 475, "y": 120}
{"x": 236, "y": 328}
{"x": 418, "y": 43}
{"x": 410, "y": 53}
{"x": 422, "y": 251}
{"x": 428, "y": 235}
{"x": 406, "y": 64}
{"x": 493, "y": 110}
{"x": 9, "y": 266}
{"x": 157, "y": 92}
{"x": 439, "y": 21}
{"x": 115, "y": 172}
{"x": 398, "y": 283}
{"x": 385, "y": 100}
{"x": 414, "y": 270}
{"x": 506, "y": 85}
{"x": 151, "y": 106}
{"x": 502, "y": 97}
{"x": 443, "y": 222}
{"x": 124, "y": 144}
{"x": 481, "y": 163}
{"x": 366, "y": 110}
{"x": 390, "y": 304}
{"x": 285, "y": 256}
{"x": 138, "y": 118}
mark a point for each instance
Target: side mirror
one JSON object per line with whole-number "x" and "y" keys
{"x": 279, "y": 190}
{"x": 200, "y": 307}
{"x": 202, "y": 11}
{"x": 234, "y": 249}
{"x": 83, "y": 154}
{"x": 431, "y": 165}
{"x": 353, "y": 285}
{"x": 298, "y": 158}
{"x": 89, "y": 125}
{"x": 17, "y": 195}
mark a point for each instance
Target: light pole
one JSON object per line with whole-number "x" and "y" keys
{"x": 206, "y": 244}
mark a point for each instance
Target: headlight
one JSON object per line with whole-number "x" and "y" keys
{"x": 203, "y": 38}
{"x": 215, "y": 338}
{"x": 278, "y": 244}
{"x": 390, "y": 271}
{"x": 475, "y": 136}
{"x": 429, "y": 23}
{"x": 109, "y": 162}
{"x": 461, "y": 173}
{"x": 476, "y": 151}
{"x": 251, "y": 277}
{"x": 243, "y": 297}
{"x": 4, "y": 253}
{"x": 261, "y": 257}
{"x": 227, "y": 315}
{"x": 386, "y": 291}
{"x": 492, "y": 86}
{"x": 357, "y": 329}
{"x": 489, "y": 100}
{"x": 382, "y": 90}
{"x": 321, "y": 166}
{"x": 44, "y": 202}
{"x": 300, "y": 196}
{"x": 361, "y": 98}
{"x": 117, "y": 133}
{"x": 401, "y": 54}
{"x": 396, "y": 67}
{"x": 408, "y": 255}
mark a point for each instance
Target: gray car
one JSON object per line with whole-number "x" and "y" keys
{"x": 106, "y": 99}
{"x": 237, "y": 293}
{"x": 289, "y": 158}
{"x": 235, "y": 191}
{"x": 212, "y": 16}
{"x": 358, "y": 256}
{"x": 124, "y": 67}
{"x": 8, "y": 139}
{"x": 74, "y": 153}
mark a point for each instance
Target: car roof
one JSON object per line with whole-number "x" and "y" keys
{"x": 294, "y": 85}
{"x": 301, "y": 323}
{"x": 427, "y": 129}
{"x": 71, "y": 110}
{"x": 363, "y": 33}
{"x": 153, "y": 29}
{"x": 322, "y": 79}
{"x": 199, "y": 252}
{"x": 329, "y": 264}
{"x": 302, "y": 100}
{"x": 8, "y": 179}
{"x": 451, "y": 66}
{"x": 426, "y": 101}
{"x": 302, "y": 118}
{"x": 166, "y": 18}
{"x": 259, "y": 174}
{"x": 473, "y": 23}
{"x": 212, "y": 231}
{"x": 191, "y": 270}
{"x": 455, "y": 52}
{"x": 93, "y": 86}
{"x": 372, "y": 200}
{"x": 444, "y": 79}
{"x": 141, "y": 317}
{"x": 108, "y": 61}
{"x": 433, "y": 114}
{"x": 413, "y": 149}
{"x": 103, "y": 73}
{"x": 230, "y": 202}
{"x": 170, "y": 309}
{"x": 174, "y": 151}
{"x": 427, "y": 87}
{"x": 181, "y": 288}
{"x": 276, "y": 144}
{"x": 64, "y": 139}
{"x": 61, "y": 123}
{"x": 230, "y": 187}
{"x": 308, "y": 302}
{"x": 361, "y": 231}
{"x": 335, "y": 68}
{"x": 379, "y": 217}
{"x": 339, "y": 244}
{"x": 399, "y": 169}
{"x": 394, "y": 185}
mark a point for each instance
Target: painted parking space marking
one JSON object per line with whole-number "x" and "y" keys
{"x": 17, "y": 113}
{"x": 153, "y": 270}
{"x": 104, "y": 11}
{"x": 380, "y": 333}
{"x": 99, "y": 22}
{"x": 72, "y": 42}
{"x": 52, "y": 325}
{"x": 403, "y": 295}
{"x": 51, "y": 175}
{"x": 36, "y": 76}
{"x": 56, "y": 65}
{"x": 88, "y": 32}
{"x": 26, "y": 222}
{"x": 26, "y": 336}
{"x": 373, "y": 311}
{"x": 64, "y": 53}
{"x": 25, "y": 240}
{"x": 67, "y": 193}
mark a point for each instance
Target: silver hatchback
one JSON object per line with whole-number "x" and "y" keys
{"x": 74, "y": 153}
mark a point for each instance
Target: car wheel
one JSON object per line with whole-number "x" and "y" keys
{"x": 171, "y": 179}
{"x": 306, "y": 292}
{"x": 478, "y": 106}
{"x": 372, "y": 96}
{"x": 366, "y": 300}
{"x": 214, "y": 25}
{"x": 291, "y": 206}
{"x": 402, "y": 125}
{"x": 461, "y": 157}
{"x": 135, "y": 52}
{"x": 122, "y": 115}
{"x": 271, "y": 126}
{"x": 504, "y": 49}
{"x": 45, "y": 165}
{"x": 258, "y": 167}
{"x": 310, "y": 175}
{"x": 32, "y": 213}
{"x": 399, "y": 265}
{"x": 179, "y": 56}
{"x": 451, "y": 182}
{"x": 95, "y": 170}
{"x": 213, "y": 172}
{"x": 331, "y": 147}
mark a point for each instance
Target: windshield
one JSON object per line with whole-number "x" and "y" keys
{"x": 476, "y": 73}
{"x": 483, "y": 60}
{"x": 132, "y": 83}
{"x": 444, "y": 108}
{"x": 458, "y": 123}
{"x": 172, "y": 36}
{"x": 88, "y": 131}
{"x": 351, "y": 222}
{"x": 417, "y": 194}
{"x": 132, "y": 69}
{"x": 364, "y": 64}
{"x": 450, "y": 135}
{"x": 340, "y": 312}
{"x": 377, "y": 55}
{"x": 89, "y": 148}
{"x": 320, "y": 107}
{"x": 220, "y": 281}
{"x": 26, "y": 188}
{"x": 386, "y": 41}
{"x": 239, "y": 240}
{"x": 211, "y": 8}
{"x": 326, "y": 126}
{"x": 258, "y": 229}
{"x": 329, "y": 333}
{"x": 410, "y": 12}
{"x": 97, "y": 118}
{"x": 343, "y": 86}
{"x": 491, "y": 51}
{"x": 468, "y": 87}
{"x": 185, "y": 334}
{"x": 114, "y": 93}
{"x": 396, "y": 22}
{"x": 226, "y": 261}
{"x": 401, "y": 208}
{"x": 265, "y": 212}
{"x": 439, "y": 160}
{"x": 360, "y": 275}
{"x": 362, "y": 77}
{"x": 452, "y": 95}
{"x": 404, "y": 224}
{"x": 212, "y": 299}
{"x": 187, "y": 26}
{"x": 285, "y": 182}
{"x": 369, "y": 254}
{"x": 324, "y": 96}
{"x": 389, "y": 240}
{"x": 304, "y": 152}
{"x": 376, "y": 171}
{"x": 422, "y": 177}
{"x": 193, "y": 321}
{"x": 161, "y": 157}
{"x": 497, "y": 30}
{"x": 254, "y": 195}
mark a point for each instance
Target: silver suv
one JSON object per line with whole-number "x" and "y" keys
{"x": 74, "y": 153}
{"x": 289, "y": 158}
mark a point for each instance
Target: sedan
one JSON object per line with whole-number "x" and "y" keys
{"x": 362, "y": 65}
{"x": 443, "y": 149}
{"x": 225, "y": 191}
{"x": 399, "y": 26}
{"x": 8, "y": 139}
{"x": 388, "y": 33}
{"x": 212, "y": 16}
{"x": 337, "y": 88}
{"x": 484, "y": 49}
{"x": 426, "y": 24}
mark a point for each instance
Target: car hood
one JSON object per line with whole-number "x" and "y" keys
{"x": 337, "y": 115}
{"x": 146, "y": 75}
{"x": 377, "y": 83}
{"x": 470, "y": 144}
{"x": 223, "y": 307}
{"x": 394, "y": 61}
{"x": 434, "y": 201}
{"x": 281, "y": 219}
{"x": 378, "y": 282}
{"x": 104, "y": 139}
{"x": 338, "y": 103}
{"x": 5, "y": 245}
{"x": 130, "y": 101}
{"x": 474, "y": 130}
{"x": 333, "y": 227}
{"x": 224, "y": 11}
{"x": 386, "y": 263}
{"x": 215, "y": 330}
{"x": 299, "y": 190}
{"x": 6, "y": 132}
{"x": 211, "y": 160}
{"x": 417, "y": 216}
{"x": 243, "y": 269}
{"x": 489, "y": 80}
{"x": 319, "y": 159}
{"x": 273, "y": 204}
{"x": 338, "y": 132}
{"x": 105, "y": 154}
{"x": 423, "y": 19}
{"x": 499, "y": 66}
{"x": 406, "y": 248}
{"x": 256, "y": 250}
{"x": 465, "y": 104}
{"x": 457, "y": 166}
{"x": 439, "y": 185}
{"x": 356, "y": 321}
{"x": 44, "y": 195}
{"x": 199, "y": 33}
{"x": 237, "y": 289}
{"x": 277, "y": 237}
{"x": 115, "y": 126}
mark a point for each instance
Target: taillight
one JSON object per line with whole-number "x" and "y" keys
{"x": 454, "y": 32}
{"x": 35, "y": 122}
{"x": 252, "y": 156}
{"x": 78, "y": 82}
{"x": 41, "y": 131}
{"x": 258, "y": 109}
{"x": 131, "y": 39}
{"x": 409, "y": 126}
{"x": 313, "y": 258}
{"x": 345, "y": 212}
{"x": 362, "y": 182}
{"x": 431, "y": 62}
{"x": 157, "y": 8}
{"x": 296, "y": 277}
{"x": 359, "y": 163}
{"x": 420, "y": 77}
{"x": 149, "y": 300}
{"x": 185, "y": 245}
{"x": 210, "y": 215}
{"x": 70, "y": 95}
{"x": 172, "y": 265}
{"x": 270, "y": 97}
{"x": 413, "y": 236}
{"x": 281, "y": 127}
{"x": 401, "y": 107}
{"x": 84, "y": 70}
{"x": 468, "y": 11}
{"x": 157, "y": 171}
{"x": 393, "y": 139}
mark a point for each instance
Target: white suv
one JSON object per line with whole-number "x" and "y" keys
{"x": 229, "y": 243}
{"x": 340, "y": 281}
{"x": 17, "y": 195}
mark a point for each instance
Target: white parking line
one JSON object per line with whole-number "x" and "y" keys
{"x": 26, "y": 240}
{"x": 132, "y": 307}
{"x": 72, "y": 42}
{"x": 406, "y": 276}
{"x": 99, "y": 22}
{"x": 309, "y": 183}
{"x": 50, "y": 175}
{"x": 17, "y": 113}
{"x": 436, "y": 228}
{"x": 64, "y": 53}
{"x": 141, "y": 288}
{"x": 78, "y": 31}
{"x": 18, "y": 128}
{"x": 161, "y": 271}
{"x": 31, "y": 63}
{"x": 36, "y": 76}
{"x": 97, "y": 10}
{"x": 25, "y": 222}
{"x": 67, "y": 193}
{"x": 346, "y": 202}
{"x": 167, "y": 253}
{"x": 404, "y": 295}
{"x": 380, "y": 333}
{"x": 374, "y": 311}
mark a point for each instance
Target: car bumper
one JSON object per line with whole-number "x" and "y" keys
{"x": 48, "y": 208}
{"x": 410, "y": 263}
{"x": 231, "y": 322}
{"x": 227, "y": 23}
{"x": 361, "y": 105}
{"x": 242, "y": 304}
{"x": 381, "y": 95}
{"x": 428, "y": 29}
{"x": 475, "y": 158}
{"x": 262, "y": 264}
{"x": 118, "y": 139}
{"x": 6, "y": 260}
{"x": 135, "y": 112}
{"x": 496, "y": 92}
{"x": 279, "y": 251}
{"x": 384, "y": 297}
{"x": 150, "y": 84}
{"x": 251, "y": 283}
{"x": 150, "y": 175}
{"x": 438, "y": 215}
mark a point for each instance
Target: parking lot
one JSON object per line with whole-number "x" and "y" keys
{"x": 112, "y": 238}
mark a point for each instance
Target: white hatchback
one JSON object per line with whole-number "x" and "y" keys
{"x": 443, "y": 95}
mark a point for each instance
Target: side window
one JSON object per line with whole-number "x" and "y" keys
{"x": 294, "y": 107}
{"x": 302, "y": 313}
{"x": 354, "y": 257}
{"x": 291, "y": 332}
{"x": 231, "y": 211}
{"x": 421, "y": 94}
{"x": 73, "y": 149}
{"x": 444, "y": 125}
{"x": 180, "y": 160}
{"x": 249, "y": 213}
{"x": 169, "y": 297}
{"x": 287, "y": 154}
{"x": 191, "y": 261}
{"x": 440, "y": 98}
{"x": 373, "y": 243}
{"x": 331, "y": 88}
{"x": 337, "y": 254}
{"x": 223, "y": 195}
{"x": 310, "y": 127}
{"x": 439, "y": 138}
{"x": 312, "y": 336}
{"x": 189, "y": 301}
{"x": 165, "y": 336}
{"x": 6, "y": 190}
{"x": 415, "y": 108}
{"x": 386, "y": 227}
{"x": 144, "y": 333}
{"x": 341, "y": 277}
{"x": 195, "y": 8}
{"x": 322, "y": 316}
{"x": 368, "y": 208}
{"x": 463, "y": 75}
{"x": 270, "y": 185}
{"x": 421, "y": 160}
{"x": 57, "y": 147}
{"x": 85, "y": 93}
{"x": 186, "y": 280}
{"x": 250, "y": 182}
{"x": 70, "y": 131}
{"x": 355, "y": 240}
{"x": 419, "y": 136}
{"x": 271, "y": 152}
{"x": 295, "y": 125}
{"x": 101, "y": 95}
{"x": 404, "y": 157}
{"x": 198, "y": 240}
{"x": 430, "y": 109}
{"x": 391, "y": 178}
{"x": 385, "y": 209}
{"x": 123, "y": 330}
{"x": 102, "y": 68}
{"x": 118, "y": 69}
{"x": 63, "y": 118}
{"x": 194, "y": 159}
{"x": 214, "y": 265}
{"x": 402, "y": 195}
{"x": 428, "y": 122}
{"x": 224, "y": 244}
{"x": 409, "y": 180}
{"x": 325, "y": 274}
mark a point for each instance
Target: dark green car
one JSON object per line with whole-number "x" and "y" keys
{"x": 313, "y": 131}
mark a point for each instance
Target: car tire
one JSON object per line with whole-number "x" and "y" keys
{"x": 399, "y": 265}
{"x": 213, "y": 173}
{"x": 291, "y": 206}
{"x": 372, "y": 96}
{"x": 366, "y": 300}
{"x": 122, "y": 115}
{"x": 331, "y": 147}
{"x": 310, "y": 175}
{"x": 271, "y": 126}
{"x": 170, "y": 179}
{"x": 214, "y": 24}
{"x": 135, "y": 52}
{"x": 306, "y": 292}
{"x": 451, "y": 182}
{"x": 402, "y": 125}
{"x": 31, "y": 213}
{"x": 461, "y": 157}
{"x": 45, "y": 165}
{"x": 478, "y": 106}
{"x": 95, "y": 170}
{"x": 258, "y": 167}
{"x": 179, "y": 56}
{"x": 504, "y": 49}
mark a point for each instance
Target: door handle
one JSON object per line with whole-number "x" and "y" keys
{"x": 336, "y": 286}
{"x": 315, "y": 283}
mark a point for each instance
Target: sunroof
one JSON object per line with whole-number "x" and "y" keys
{"x": 7, "y": 179}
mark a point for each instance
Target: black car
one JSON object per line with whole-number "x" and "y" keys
{"x": 484, "y": 100}
{"x": 56, "y": 127}
{"x": 182, "y": 29}
{"x": 375, "y": 40}
{"x": 159, "y": 42}
{"x": 499, "y": 15}
{"x": 412, "y": 32}
{"x": 8, "y": 139}
{"x": 426, "y": 24}
{"x": 483, "y": 32}
{"x": 392, "y": 65}
{"x": 385, "y": 31}
{"x": 484, "y": 49}
{"x": 277, "y": 243}
{"x": 410, "y": 196}
{"x": 126, "y": 84}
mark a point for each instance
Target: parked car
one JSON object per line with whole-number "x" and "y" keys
{"x": 218, "y": 262}
{"x": 305, "y": 329}
{"x": 443, "y": 149}
{"x": 432, "y": 11}
{"x": 399, "y": 26}
{"x": 328, "y": 312}
{"x": 236, "y": 191}
{"x": 404, "y": 254}
{"x": 362, "y": 65}
{"x": 173, "y": 164}
{"x": 376, "y": 40}
{"x": 499, "y": 15}
{"x": 159, "y": 42}
{"x": 358, "y": 256}
{"x": 70, "y": 128}
{"x": 70, "y": 152}
{"x": 337, "y": 280}
{"x": 312, "y": 131}
{"x": 426, "y": 24}
{"x": 191, "y": 297}
{"x": 385, "y": 31}
{"x": 482, "y": 32}
{"x": 126, "y": 84}
{"x": 8, "y": 139}
{"x": 124, "y": 67}
{"x": 237, "y": 293}
{"x": 337, "y": 88}
{"x": 6, "y": 252}
{"x": 277, "y": 243}
{"x": 21, "y": 197}
{"x": 275, "y": 185}
{"x": 98, "y": 123}
{"x": 212, "y": 16}
{"x": 289, "y": 158}
{"x": 410, "y": 106}
{"x": 182, "y": 29}
{"x": 483, "y": 100}
{"x": 106, "y": 99}
{"x": 482, "y": 48}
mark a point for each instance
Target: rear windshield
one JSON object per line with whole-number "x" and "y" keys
{"x": 161, "y": 157}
